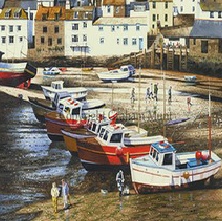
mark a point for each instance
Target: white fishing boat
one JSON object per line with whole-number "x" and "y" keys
{"x": 77, "y": 93}
{"x": 164, "y": 169}
{"x": 51, "y": 71}
{"x": 121, "y": 74}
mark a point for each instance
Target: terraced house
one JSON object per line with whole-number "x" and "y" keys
{"x": 14, "y": 33}
{"x": 49, "y": 31}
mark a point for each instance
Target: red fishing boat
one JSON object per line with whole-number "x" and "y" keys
{"x": 16, "y": 74}
{"x": 72, "y": 115}
{"x": 113, "y": 147}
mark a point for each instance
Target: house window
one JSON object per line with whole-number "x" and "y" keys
{"x": 112, "y": 28}
{"x": 50, "y": 42}
{"x": 74, "y": 38}
{"x": 56, "y": 29}
{"x": 204, "y": 46}
{"x": 101, "y": 40}
{"x": 219, "y": 14}
{"x": 154, "y": 17}
{"x": 3, "y": 39}
{"x": 16, "y": 14}
{"x": 137, "y": 27}
{"x": 44, "y": 29}
{"x": 194, "y": 41}
{"x": 100, "y": 28}
{"x": 57, "y": 16}
{"x": 84, "y": 24}
{"x": 75, "y": 15}
{"x": 166, "y": 17}
{"x": 10, "y": 28}
{"x": 125, "y": 41}
{"x": 166, "y": 5}
{"x": 117, "y": 41}
{"x": 125, "y": 28}
{"x": 75, "y": 26}
{"x": 7, "y": 13}
{"x": 108, "y": 9}
{"x": 44, "y": 16}
{"x": 157, "y": 16}
{"x": 2, "y": 27}
{"x": 181, "y": 8}
{"x": 211, "y": 14}
{"x": 20, "y": 39}
{"x": 84, "y": 38}
{"x": 86, "y": 15}
{"x": 220, "y": 46}
{"x": 117, "y": 9}
{"x": 193, "y": 8}
{"x": 11, "y": 39}
{"x": 19, "y": 27}
{"x": 42, "y": 40}
{"x": 59, "y": 41}
{"x": 154, "y": 4}
{"x": 133, "y": 41}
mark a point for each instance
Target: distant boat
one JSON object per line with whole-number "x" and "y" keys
{"x": 51, "y": 71}
{"x": 164, "y": 169}
{"x": 42, "y": 106}
{"x": 121, "y": 74}
{"x": 190, "y": 80}
{"x": 78, "y": 93}
{"x": 16, "y": 74}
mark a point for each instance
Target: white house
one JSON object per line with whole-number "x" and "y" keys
{"x": 119, "y": 36}
{"x": 14, "y": 33}
{"x": 185, "y": 6}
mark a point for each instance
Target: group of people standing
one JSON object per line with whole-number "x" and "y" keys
{"x": 55, "y": 193}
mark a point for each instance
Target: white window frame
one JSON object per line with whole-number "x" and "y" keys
{"x": 74, "y": 38}
{"x": 125, "y": 41}
{"x": 102, "y": 40}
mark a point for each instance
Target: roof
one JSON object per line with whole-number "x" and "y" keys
{"x": 164, "y": 147}
{"x": 50, "y": 11}
{"x": 29, "y": 4}
{"x": 19, "y": 3}
{"x": 211, "y": 5}
{"x": 81, "y": 13}
{"x": 176, "y": 31}
{"x": 23, "y": 14}
{"x": 206, "y": 29}
{"x": 121, "y": 21}
{"x": 160, "y": 0}
{"x": 114, "y": 2}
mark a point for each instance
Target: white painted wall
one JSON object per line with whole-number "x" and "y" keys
{"x": 185, "y": 6}
{"x": 18, "y": 49}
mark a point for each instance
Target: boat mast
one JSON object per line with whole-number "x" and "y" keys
{"x": 164, "y": 103}
{"x": 210, "y": 127}
{"x": 139, "y": 97}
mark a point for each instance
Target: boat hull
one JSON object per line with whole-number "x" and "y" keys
{"x": 94, "y": 156}
{"x": 16, "y": 75}
{"x": 55, "y": 122}
{"x": 109, "y": 76}
{"x": 149, "y": 178}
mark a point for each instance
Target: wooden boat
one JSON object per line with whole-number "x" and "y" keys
{"x": 51, "y": 71}
{"x": 112, "y": 147}
{"x": 72, "y": 116}
{"x": 121, "y": 74}
{"x": 164, "y": 169}
{"x": 92, "y": 130}
{"x": 41, "y": 106}
{"x": 16, "y": 74}
{"x": 78, "y": 93}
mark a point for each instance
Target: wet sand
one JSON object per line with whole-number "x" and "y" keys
{"x": 89, "y": 203}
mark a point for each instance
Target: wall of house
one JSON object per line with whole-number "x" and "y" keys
{"x": 19, "y": 47}
{"x": 185, "y": 6}
{"x": 213, "y": 54}
{"x": 44, "y": 49}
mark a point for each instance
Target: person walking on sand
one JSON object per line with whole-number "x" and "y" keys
{"x": 170, "y": 95}
{"x": 54, "y": 194}
{"x": 155, "y": 91}
{"x": 151, "y": 90}
{"x": 65, "y": 194}
{"x": 133, "y": 96}
{"x": 147, "y": 95}
{"x": 189, "y": 103}
{"x": 120, "y": 182}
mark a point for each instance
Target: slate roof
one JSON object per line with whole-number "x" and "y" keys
{"x": 2, "y": 2}
{"x": 29, "y": 4}
{"x": 206, "y": 29}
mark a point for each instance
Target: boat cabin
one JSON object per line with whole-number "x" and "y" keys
{"x": 57, "y": 85}
{"x": 96, "y": 126}
{"x": 163, "y": 154}
{"x": 59, "y": 96}
{"x": 190, "y": 80}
